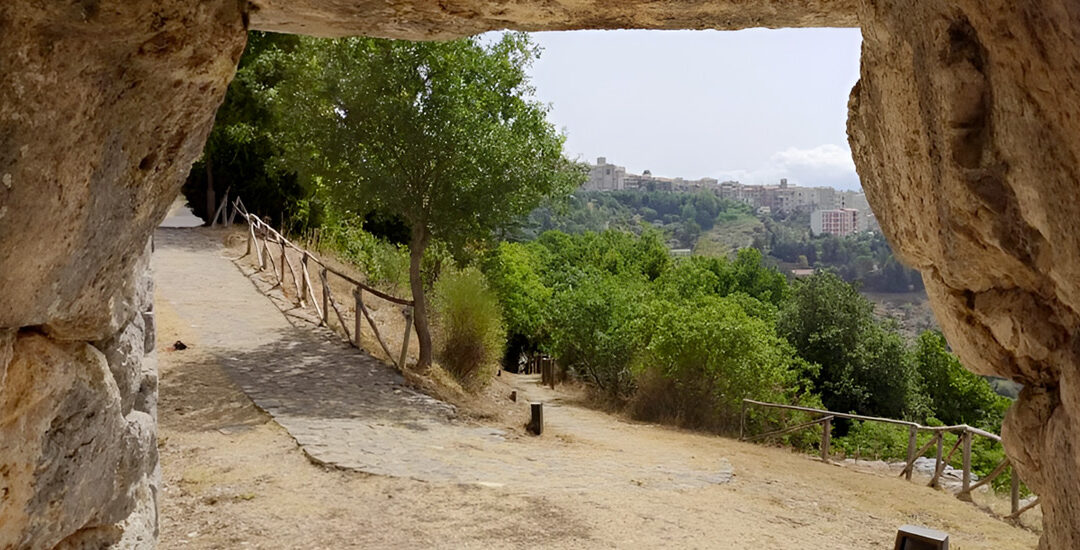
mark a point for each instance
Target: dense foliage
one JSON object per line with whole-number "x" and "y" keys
{"x": 444, "y": 135}
{"x": 243, "y": 152}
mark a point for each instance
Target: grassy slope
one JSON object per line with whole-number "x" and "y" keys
{"x": 727, "y": 237}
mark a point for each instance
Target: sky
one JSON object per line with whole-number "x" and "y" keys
{"x": 754, "y": 105}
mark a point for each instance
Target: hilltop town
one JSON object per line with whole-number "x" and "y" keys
{"x": 832, "y": 211}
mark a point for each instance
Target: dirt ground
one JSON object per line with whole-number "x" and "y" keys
{"x": 232, "y": 478}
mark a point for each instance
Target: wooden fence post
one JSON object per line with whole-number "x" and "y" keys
{"x": 826, "y": 438}
{"x": 551, "y": 372}
{"x": 742, "y": 421}
{"x": 358, "y": 295}
{"x": 304, "y": 275}
{"x": 913, "y": 440}
{"x": 536, "y": 419}
{"x": 937, "y": 459}
{"x": 405, "y": 339}
{"x": 325, "y": 298}
{"x": 1014, "y": 491}
{"x": 967, "y": 461}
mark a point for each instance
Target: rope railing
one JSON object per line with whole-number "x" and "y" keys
{"x": 260, "y": 238}
{"x": 941, "y": 459}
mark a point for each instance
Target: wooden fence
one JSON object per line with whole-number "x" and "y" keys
{"x": 963, "y": 442}
{"x": 260, "y": 238}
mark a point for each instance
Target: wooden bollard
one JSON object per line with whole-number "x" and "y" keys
{"x": 536, "y": 419}
{"x": 826, "y": 438}
{"x": 358, "y": 295}
{"x": 913, "y": 441}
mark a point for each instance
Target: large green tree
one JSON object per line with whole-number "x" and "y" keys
{"x": 242, "y": 152}
{"x": 445, "y": 135}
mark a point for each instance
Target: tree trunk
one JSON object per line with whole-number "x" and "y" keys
{"x": 417, "y": 245}
{"x": 211, "y": 199}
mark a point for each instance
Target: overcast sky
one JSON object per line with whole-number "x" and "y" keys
{"x": 753, "y": 105}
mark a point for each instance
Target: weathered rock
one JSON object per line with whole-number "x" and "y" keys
{"x": 421, "y": 19}
{"x": 965, "y": 133}
{"x": 124, "y": 353}
{"x": 69, "y": 455}
{"x": 104, "y": 105}
{"x": 963, "y": 126}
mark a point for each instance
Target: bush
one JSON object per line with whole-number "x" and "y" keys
{"x": 470, "y": 332}
{"x": 594, "y": 333}
{"x": 704, "y": 358}
{"x": 386, "y": 265}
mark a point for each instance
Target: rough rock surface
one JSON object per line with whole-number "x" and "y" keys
{"x": 423, "y": 19}
{"x": 964, "y": 127}
{"x": 965, "y": 131}
{"x": 104, "y": 105}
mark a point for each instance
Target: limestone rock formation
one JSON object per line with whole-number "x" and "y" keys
{"x": 426, "y": 20}
{"x": 964, "y": 126}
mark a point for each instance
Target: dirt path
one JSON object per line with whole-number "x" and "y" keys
{"x": 233, "y": 478}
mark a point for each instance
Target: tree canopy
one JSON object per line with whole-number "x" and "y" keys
{"x": 445, "y": 135}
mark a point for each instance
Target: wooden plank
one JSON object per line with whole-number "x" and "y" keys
{"x": 913, "y": 440}
{"x": 405, "y": 339}
{"x": 826, "y": 438}
{"x": 1026, "y": 507}
{"x": 789, "y": 429}
{"x": 311, "y": 293}
{"x": 325, "y": 298}
{"x": 911, "y": 463}
{"x": 1014, "y": 491}
{"x": 358, "y": 319}
{"x": 378, "y": 336}
{"x": 996, "y": 472}
{"x": 340, "y": 317}
{"x": 967, "y": 460}
{"x": 832, "y": 413}
{"x": 940, "y": 468}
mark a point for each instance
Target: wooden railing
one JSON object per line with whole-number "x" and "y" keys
{"x": 261, "y": 236}
{"x": 913, "y": 451}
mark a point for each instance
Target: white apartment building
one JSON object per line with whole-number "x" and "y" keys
{"x": 840, "y": 221}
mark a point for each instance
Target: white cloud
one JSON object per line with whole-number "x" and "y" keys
{"x": 825, "y": 165}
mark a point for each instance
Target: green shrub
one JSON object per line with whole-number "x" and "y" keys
{"x": 386, "y": 265}
{"x": 470, "y": 332}
{"x": 708, "y": 356}
{"x": 594, "y": 334}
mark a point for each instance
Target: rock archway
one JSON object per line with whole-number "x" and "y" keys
{"x": 965, "y": 126}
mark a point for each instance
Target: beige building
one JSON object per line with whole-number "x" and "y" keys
{"x": 605, "y": 177}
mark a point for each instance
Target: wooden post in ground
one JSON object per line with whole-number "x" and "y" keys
{"x": 325, "y": 297}
{"x": 543, "y": 371}
{"x": 405, "y": 339}
{"x": 358, "y": 317}
{"x": 913, "y": 439}
{"x": 551, "y": 372}
{"x": 536, "y": 418}
{"x": 305, "y": 283}
{"x": 251, "y": 237}
{"x": 1014, "y": 491}
{"x": 826, "y": 438}
{"x": 742, "y": 421}
{"x": 937, "y": 459}
{"x": 967, "y": 461}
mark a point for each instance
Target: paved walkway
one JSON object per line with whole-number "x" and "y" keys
{"x": 349, "y": 410}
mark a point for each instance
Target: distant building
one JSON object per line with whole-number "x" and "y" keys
{"x": 606, "y": 177}
{"x": 840, "y": 222}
